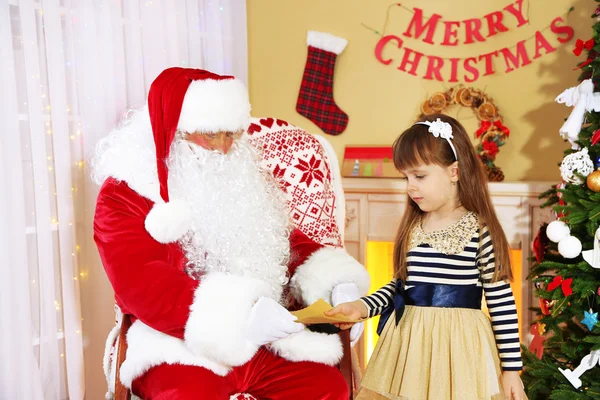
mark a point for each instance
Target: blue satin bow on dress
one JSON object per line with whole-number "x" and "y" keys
{"x": 430, "y": 295}
{"x": 397, "y": 306}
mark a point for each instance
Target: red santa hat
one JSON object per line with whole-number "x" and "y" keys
{"x": 190, "y": 100}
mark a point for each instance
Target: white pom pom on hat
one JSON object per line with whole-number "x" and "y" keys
{"x": 168, "y": 222}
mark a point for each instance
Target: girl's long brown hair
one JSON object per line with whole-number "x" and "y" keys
{"x": 416, "y": 146}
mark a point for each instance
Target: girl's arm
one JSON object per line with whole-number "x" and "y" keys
{"x": 365, "y": 307}
{"x": 501, "y": 305}
{"x": 376, "y": 302}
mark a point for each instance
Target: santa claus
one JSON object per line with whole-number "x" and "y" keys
{"x": 197, "y": 243}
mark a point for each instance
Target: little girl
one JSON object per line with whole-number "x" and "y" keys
{"x": 435, "y": 342}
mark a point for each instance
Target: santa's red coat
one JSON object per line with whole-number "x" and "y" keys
{"x": 201, "y": 322}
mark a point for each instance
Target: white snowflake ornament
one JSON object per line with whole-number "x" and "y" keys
{"x": 579, "y": 162}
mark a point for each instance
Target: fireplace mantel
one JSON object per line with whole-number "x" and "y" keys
{"x": 374, "y": 207}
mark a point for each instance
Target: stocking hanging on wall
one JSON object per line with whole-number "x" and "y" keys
{"x": 315, "y": 100}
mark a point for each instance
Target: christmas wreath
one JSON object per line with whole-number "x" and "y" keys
{"x": 492, "y": 133}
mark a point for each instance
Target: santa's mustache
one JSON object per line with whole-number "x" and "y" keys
{"x": 189, "y": 154}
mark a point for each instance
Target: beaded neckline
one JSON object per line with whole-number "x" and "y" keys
{"x": 450, "y": 240}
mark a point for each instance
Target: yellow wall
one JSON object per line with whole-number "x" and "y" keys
{"x": 381, "y": 101}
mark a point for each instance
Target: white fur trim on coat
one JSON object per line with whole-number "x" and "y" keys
{"x": 309, "y": 346}
{"x": 215, "y": 106}
{"x": 168, "y": 222}
{"x": 217, "y": 323}
{"x": 147, "y": 347}
{"x": 326, "y": 41}
{"x": 325, "y": 268}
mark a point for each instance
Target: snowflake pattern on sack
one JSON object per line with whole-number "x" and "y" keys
{"x": 298, "y": 161}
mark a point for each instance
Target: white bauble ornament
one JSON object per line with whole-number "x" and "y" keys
{"x": 557, "y": 230}
{"x": 579, "y": 162}
{"x": 569, "y": 247}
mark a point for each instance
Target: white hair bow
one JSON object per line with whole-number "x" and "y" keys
{"x": 441, "y": 129}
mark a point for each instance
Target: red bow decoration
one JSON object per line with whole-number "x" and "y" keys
{"x": 565, "y": 285}
{"x": 485, "y": 125}
{"x": 580, "y": 45}
{"x": 504, "y": 129}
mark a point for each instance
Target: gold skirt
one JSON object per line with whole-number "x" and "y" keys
{"x": 434, "y": 354}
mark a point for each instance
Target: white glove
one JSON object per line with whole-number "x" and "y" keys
{"x": 345, "y": 293}
{"x": 270, "y": 321}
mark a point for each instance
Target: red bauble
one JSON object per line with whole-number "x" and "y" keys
{"x": 546, "y": 306}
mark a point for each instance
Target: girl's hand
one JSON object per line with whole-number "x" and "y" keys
{"x": 513, "y": 386}
{"x": 354, "y": 310}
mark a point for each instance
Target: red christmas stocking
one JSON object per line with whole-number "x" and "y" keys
{"x": 315, "y": 100}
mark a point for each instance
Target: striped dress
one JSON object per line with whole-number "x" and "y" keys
{"x": 439, "y": 345}
{"x": 473, "y": 266}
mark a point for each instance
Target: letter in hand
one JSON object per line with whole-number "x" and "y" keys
{"x": 270, "y": 321}
{"x": 355, "y": 310}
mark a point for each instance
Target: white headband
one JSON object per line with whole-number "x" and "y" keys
{"x": 441, "y": 129}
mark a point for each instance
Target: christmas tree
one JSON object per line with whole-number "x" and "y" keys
{"x": 562, "y": 361}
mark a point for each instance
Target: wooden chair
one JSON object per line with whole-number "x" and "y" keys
{"x": 346, "y": 363}
{"x": 121, "y": 392}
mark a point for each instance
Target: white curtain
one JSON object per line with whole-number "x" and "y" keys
{"x": 69, "y": 69}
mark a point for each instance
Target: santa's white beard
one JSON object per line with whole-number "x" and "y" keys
{"x": 240, "y": 221}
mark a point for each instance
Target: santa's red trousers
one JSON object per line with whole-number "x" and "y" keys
{"x": 266, "y": 376}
